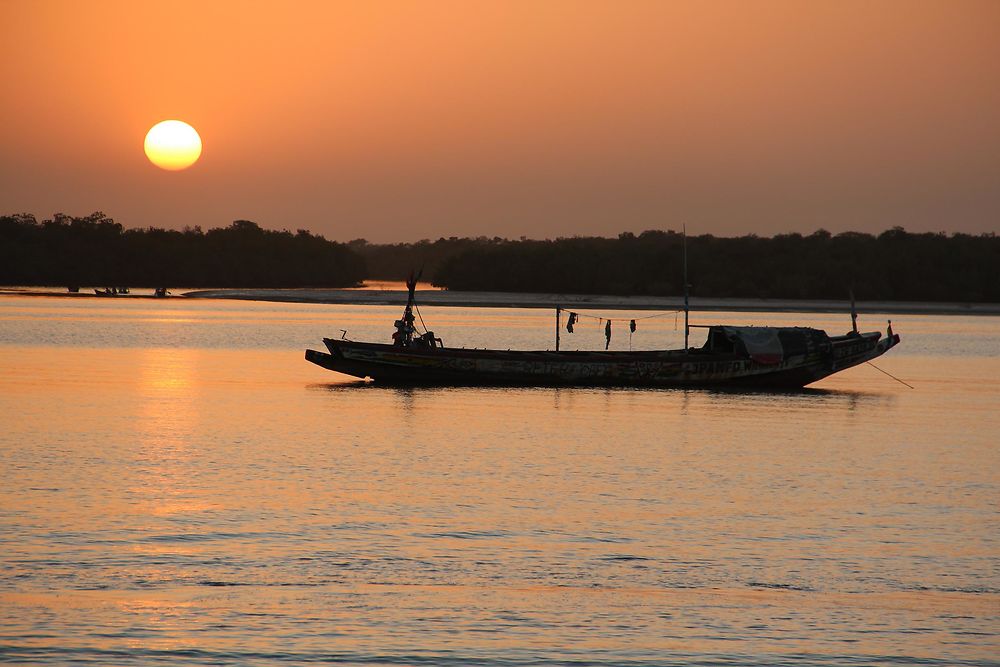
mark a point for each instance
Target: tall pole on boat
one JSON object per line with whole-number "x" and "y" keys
{"x": 686, "y": 328}
{"x": 854, "y": 315}
{"x": 558, "y": 314}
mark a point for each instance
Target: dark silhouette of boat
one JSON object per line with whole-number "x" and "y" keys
{"x": 751, "y": 357}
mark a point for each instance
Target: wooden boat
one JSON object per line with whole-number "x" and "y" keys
{"x": 764, "y": 357}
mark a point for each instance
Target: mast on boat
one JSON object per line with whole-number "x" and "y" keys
{"x": 854, "y": 315}
{"x": 686, "y": 325}
{"x": 558, "y": 316}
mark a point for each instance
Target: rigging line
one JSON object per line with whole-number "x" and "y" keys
{"x": 889, "y": 374}
{"x": 649, "y": 317}
{"x": 417, "y": 308}
{"x": 626, "y": 319}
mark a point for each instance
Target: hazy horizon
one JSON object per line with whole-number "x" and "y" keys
{"x": 396, "y": 122}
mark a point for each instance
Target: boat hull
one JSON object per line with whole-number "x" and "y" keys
{"x": 389, "y": 364}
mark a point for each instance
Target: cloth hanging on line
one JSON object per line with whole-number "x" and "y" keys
{"x": 570, "y": 322}
{"x": 631, "y": 326}
{"x": 607, "y": 334}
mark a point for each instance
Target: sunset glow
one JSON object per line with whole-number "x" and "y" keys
{"x": 172, "y": 145}
{"x": 500, "y": 332}
{"x": 507, "y": 119}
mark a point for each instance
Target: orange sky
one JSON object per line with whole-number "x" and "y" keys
{"x": 408, "y": 120}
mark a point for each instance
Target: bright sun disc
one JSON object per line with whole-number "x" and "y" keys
{"x": 172, "y": 145}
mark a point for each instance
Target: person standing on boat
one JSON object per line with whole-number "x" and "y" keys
{"x": 403, "y": 335}
{"x": 398, "y": 337}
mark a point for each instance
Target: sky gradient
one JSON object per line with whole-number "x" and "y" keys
{"x": 396, "y": 121}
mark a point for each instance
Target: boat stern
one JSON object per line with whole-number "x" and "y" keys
{"x": 337, "y": 363}
{"x": 323, "y": 359}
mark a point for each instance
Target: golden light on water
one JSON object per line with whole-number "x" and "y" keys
{"x": 170, "y": 468}
{"x": 172, "y": 145}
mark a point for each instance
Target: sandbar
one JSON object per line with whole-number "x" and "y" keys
{"x": 438, "y": 297}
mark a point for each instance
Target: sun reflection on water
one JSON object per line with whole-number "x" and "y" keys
{"x": 166, "y": 419}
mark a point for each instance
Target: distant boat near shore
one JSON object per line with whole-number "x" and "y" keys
{"x": 111, "y": 291}
{"x": 76, "y": 292}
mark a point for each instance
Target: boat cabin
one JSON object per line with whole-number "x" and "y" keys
{"x": 767, "y": 345}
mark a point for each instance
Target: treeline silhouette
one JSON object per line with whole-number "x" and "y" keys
{"x": 95, "y": 250}
{"x": 893, "y": 265}
{"x": 394, "y": 261}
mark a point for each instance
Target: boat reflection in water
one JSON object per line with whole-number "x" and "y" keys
{"x": 767, "y": 357}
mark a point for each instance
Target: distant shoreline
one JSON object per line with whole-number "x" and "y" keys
{"x": 582, "y": 302}
{"x": 434, "y": 297}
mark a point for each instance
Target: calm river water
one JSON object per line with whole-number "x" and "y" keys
{"x": 177, "y": 485}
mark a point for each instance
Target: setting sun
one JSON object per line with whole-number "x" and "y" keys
{"x": 172, "y": 145}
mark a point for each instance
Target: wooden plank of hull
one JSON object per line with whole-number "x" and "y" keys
{"x": 394, "y": 365}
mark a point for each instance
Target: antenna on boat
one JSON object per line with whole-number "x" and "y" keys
{"x": 854, "y": 316}
{"x": 686, "y": 286}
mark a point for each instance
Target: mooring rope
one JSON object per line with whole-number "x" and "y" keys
{"x": 889, "y": 374}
